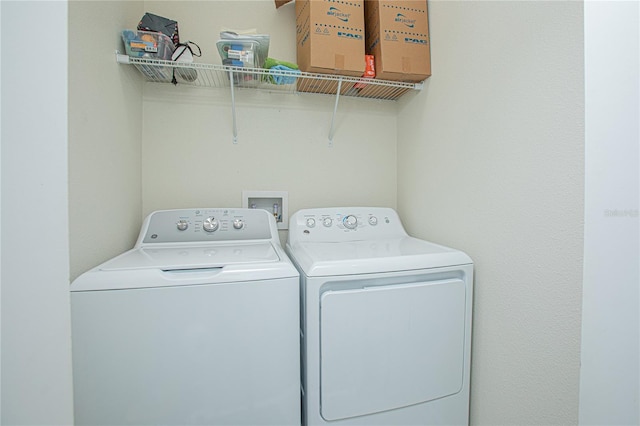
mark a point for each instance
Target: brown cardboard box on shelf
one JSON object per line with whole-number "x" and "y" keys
{"x": 330, "y": 37}
{"x": 281, "y": 3}
{"x": 397, "y": 34}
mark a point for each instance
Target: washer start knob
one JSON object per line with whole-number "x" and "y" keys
{"x": 210, "y": 224}
{"x": 350, "y": 222}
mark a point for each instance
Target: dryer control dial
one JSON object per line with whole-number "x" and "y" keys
{"x": 327, "y": 222}
{"x": 350, "y": 222}
{"x": 311, "y": 222}
{"x": 238, "y": 224}
{"x": 373, "y": 221}
{"x": 182, "y": 225}
{"x": 210, "y": 224}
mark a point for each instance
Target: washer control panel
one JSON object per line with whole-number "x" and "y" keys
{"x": 344, "y": 224}
{"x": 194, "y": 225}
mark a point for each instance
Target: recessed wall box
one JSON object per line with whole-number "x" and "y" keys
{"x": 275, "y": 202}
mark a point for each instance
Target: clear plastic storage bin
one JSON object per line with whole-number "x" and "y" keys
{"x": 150, "y": 45}
{"x": 241, "y": 54}
{"x": 145, "y": 44}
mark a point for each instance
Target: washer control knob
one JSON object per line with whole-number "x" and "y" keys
{"x": 182, "y": 225}
{"x": 210, "y": 224}
{"x": 327, "y": 222}
{"x": 238, "y": 223}
{"x": 350, "y": 222}
{"x": 311, "y": 222}
{"x": 373, "y": 221}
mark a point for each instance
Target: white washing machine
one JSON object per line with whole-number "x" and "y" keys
{"x": 385, "y": 321}
{"x": 196, "y": 325}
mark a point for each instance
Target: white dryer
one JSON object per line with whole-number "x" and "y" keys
{"x": 196, "y": 325}
{"x": 385, "y": 321}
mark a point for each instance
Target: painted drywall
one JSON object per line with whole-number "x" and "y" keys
{"x": 520, "y": 373}
{"x": 282, "y": 145}
{"x": 105, "y": 132}
{"x": 491, "y": 161}
{"x": 609, "y": 378}
{"x": 189, "y": 158}
{"x": 0, "y": 221}
{"x": 36, "y": 341}
{"x": 201, "y": 23}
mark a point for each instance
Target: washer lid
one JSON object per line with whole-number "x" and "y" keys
{"x": 183, "y": 265}
{"x": 373, "y": 256}
{"x": 175, "y": 257}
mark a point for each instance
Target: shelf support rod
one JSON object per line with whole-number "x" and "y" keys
{"x": 233, "y": 108}
{"x": 335, "y": 109}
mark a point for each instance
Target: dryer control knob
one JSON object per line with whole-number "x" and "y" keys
{"x": 210, "y": 224}
{"x": 311, "y": 222}
{"x": 182, "y": 225}
{"x": 373, "y": 221}
{"x": 350, "y": 222}
{"x": 238, "y": 223}
{"x": 327, "y": 222}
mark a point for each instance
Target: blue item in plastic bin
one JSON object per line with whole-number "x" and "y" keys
{"x": 283, "y": 79}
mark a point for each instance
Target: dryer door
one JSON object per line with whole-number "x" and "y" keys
{"x": 386, "y": 347}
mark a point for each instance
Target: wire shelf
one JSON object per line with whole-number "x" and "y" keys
{"x": 209, "y": 75}
{"x": 221, "y": 76}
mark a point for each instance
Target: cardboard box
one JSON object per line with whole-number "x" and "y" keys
{"x": 330, "y": 36}
{"x": 397, "y": 34}
{"x": 281, "y": 3}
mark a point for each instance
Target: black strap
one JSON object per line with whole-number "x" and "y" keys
{"x": 186, "y": 46}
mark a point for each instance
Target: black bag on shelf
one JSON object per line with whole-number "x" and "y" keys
{"x": 166, "y": 26}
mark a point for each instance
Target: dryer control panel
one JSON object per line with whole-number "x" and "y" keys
{"x": 338, "y": 224}
{"x": 207, "y": 224}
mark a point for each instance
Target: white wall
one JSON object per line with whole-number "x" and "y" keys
{"x": 609, "y": 379}
{"x": 189, "y": 158}
{"x": 490, "y": 161}
{"x": 136, "y": 147}
{"x": 36, "y": 352}
{"x": 0, "y": 223}
{"x": 105, "y": 132}
{"x": 282, "y": 145}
